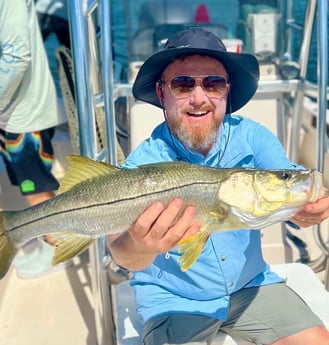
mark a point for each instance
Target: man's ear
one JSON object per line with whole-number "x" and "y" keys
{"x": 159, "y": 91}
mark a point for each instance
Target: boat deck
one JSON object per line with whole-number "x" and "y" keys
{"x": 54, "y": 309}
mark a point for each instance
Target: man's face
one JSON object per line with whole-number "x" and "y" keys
{"x": 196, "y": 118}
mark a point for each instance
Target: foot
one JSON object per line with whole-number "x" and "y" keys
{"x": 41, "y": 264}
{"x": 27, "y": 253}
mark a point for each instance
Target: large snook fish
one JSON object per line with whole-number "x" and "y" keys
{"x": 96, "y": 199}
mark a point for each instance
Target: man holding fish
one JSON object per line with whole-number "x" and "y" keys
{"x": 229, "y": 286}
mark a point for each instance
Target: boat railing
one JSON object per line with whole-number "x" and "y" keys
{"x": 90, "y": 29}
{"x": 265, "y": 87}
{"x": 85, "y": 18}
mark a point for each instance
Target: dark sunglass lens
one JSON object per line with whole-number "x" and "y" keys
{"x": 182, "y": 84}
{"x": 214, "y": 83}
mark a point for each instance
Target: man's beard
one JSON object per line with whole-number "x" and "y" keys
{"x": 196, "y": 137}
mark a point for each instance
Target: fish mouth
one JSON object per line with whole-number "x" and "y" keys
{"x": 317, "y": 189}
{"x": 311, "y": 188}
{"x": 198, "y": 113}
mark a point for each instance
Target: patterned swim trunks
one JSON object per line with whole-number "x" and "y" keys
{"x": 28, "y": 158}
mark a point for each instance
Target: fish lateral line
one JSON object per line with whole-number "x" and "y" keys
{"x": 113, "y": 202}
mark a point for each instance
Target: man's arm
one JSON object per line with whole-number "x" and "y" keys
{"x": 156, "y": 231}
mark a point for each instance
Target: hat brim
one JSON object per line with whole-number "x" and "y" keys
{"x": 243, "y": 71}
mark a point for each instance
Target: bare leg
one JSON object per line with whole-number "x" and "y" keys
{"x": 311, "y": 336}
{"x": 34, "y": 199}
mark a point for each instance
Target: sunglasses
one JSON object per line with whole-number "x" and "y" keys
{"x": 214, "y": 85}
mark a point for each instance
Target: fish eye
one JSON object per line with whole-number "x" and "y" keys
{"x": 285, "y": 175}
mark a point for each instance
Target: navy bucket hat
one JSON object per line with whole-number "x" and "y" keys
{"x": 242, "y": 69}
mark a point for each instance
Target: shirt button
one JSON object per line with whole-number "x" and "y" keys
{"x": 230, "y": 284}
{"x": 223, "y": 258}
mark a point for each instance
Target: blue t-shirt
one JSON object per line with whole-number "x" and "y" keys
{"x": 230, "y": 260}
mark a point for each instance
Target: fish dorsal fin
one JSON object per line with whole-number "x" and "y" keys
{"x": 69, "y": 245}
{"x": 82, "y": 169}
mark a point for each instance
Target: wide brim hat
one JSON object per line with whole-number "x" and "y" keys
{"x": 242, "y": 69}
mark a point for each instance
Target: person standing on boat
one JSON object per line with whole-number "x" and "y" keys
{"x": 230, "y": 287}
{"x": 28, "y": 117}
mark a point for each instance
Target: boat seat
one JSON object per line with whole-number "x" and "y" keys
{"x": 299, "y": 277}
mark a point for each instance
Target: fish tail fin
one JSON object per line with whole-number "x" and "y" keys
{"x": 7, "y": 248}
{"x": 191, "y": 247}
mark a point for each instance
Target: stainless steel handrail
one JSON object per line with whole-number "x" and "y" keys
{"x": 77, "y": 14}
{"x": 108, "y": 84}
{"x": 322, "y": 11}
{"x": 264, "y": 87}
{"x": 303, "y": 61}
{"x": 87, "y": 89}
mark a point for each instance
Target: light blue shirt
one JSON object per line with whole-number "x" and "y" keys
{"x": 231, "y": 260}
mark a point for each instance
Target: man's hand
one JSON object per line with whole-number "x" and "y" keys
{"x": 160, "y": 229}
{"x": 157, "y": 230}
{"x": 313, "y": 213}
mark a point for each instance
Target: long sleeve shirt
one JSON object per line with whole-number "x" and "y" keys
{"x": 231, "y": 260}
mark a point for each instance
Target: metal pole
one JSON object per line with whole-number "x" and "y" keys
{"x": 83, "y": 45}
{"x": 107, "y": 59}
{"x": 102, "y": 295}
{"x": 289, "y": 20}
{"x": 299, "y": 96}
{"x": 77, "y": 11}
{"x": 322, "y": 79}
{"x": 322, "y": 13}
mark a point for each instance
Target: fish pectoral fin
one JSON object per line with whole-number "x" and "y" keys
{"x": 218, "y": 214}
{"x": 191, "y": 247}
{"x": 69, "y": 245}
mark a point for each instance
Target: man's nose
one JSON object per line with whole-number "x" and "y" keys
{"x": 198, "y": 94}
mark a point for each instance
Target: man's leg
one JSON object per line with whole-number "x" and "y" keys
{"x": 276, "y": 315}
{"x": 314, "y": 335}
{"x": 180, "y": 329}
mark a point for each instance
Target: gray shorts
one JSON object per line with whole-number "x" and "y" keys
{"x": 258, "y": 315}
